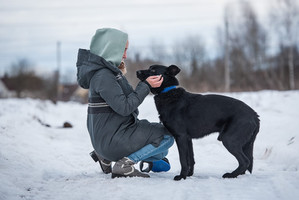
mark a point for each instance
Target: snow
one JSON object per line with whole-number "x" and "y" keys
{"x": 38, "y": 162}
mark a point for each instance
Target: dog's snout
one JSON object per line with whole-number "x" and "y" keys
{"x": 140, "y": 74}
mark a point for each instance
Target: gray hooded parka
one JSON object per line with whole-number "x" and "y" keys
{"x": 119, "y": 133}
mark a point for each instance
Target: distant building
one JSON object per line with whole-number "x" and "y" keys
{"x": 72, "y": 92}
{"x": 5, "y": 92}
{"x": 80, "y": 95}
{"x": 66, "y": 92}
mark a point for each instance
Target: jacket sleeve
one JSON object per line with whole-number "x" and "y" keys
{"x": 108, "y": 87}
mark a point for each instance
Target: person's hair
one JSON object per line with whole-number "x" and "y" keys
{"x": 122, "y": 67}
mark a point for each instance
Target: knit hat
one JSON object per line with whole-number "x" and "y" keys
{"x": 110, "y": 44}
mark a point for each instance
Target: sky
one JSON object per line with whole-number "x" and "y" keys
{"x": 30, "y": 29}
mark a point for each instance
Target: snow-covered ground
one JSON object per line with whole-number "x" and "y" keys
{"x": 38, "y": 162}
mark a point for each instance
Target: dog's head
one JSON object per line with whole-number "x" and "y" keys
{"x": 168, "y": 74}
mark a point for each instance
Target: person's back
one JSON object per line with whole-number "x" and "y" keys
{"x": 115, "y": 131}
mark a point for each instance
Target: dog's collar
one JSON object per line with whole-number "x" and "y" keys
{"x": 168, "y": 89}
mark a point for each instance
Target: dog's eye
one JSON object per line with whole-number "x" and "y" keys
{"x": 153, "y": 71}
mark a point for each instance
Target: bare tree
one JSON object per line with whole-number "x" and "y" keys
{"x": 227, "y": 50}
{"x": 158, "y": 50}
{"x": 22, "y": 77}
{"x": 22, "y": 66}
{"x": 248, "y": 43}
{"x": 190, "y": 51}
{"x": 285, "y": 15}
{"x": 190, "y": 54}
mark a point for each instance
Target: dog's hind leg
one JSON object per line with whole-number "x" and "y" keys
{"x": 191, "y": 161}
{"x": 232, "y": 142}
{"x": 248, "y": 148}
{"x": 244, "y": 162}
{"x": 248, "y": 151}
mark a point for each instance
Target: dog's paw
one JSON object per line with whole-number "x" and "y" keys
{"x": 179, "y": 177}
{"x": 229, "y": 175}
{"x": 191, "y": 171}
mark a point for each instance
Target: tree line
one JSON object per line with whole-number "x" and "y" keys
{"x": 251, "y": 55}
{"x": 25, "y": 82}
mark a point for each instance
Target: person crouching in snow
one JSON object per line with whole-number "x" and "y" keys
{"x": 115, "y": 131}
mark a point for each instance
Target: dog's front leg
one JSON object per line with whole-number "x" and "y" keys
{"x": 182, "y": 144}
{"x": 191, "y": 161}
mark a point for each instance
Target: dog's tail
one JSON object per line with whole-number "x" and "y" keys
{"x": 248, "y": 148}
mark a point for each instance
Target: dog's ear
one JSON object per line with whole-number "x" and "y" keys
{"x": 173, "y": 70}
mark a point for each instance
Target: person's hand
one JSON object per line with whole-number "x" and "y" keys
{"x": 155, "y": 81}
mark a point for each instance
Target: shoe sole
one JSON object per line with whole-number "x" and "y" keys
{"x": 125, "y": 176}
{"x": 118, "y": 176}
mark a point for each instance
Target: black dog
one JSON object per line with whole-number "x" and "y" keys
{"x": 187, "y": 115}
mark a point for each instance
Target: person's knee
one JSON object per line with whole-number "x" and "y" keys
{"x": 164, "y": 154}
{"x": 169, "y": 140}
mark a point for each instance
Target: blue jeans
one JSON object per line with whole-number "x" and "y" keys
{"x": 150, "y": 153}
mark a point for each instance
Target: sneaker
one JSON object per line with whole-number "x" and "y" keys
{"x": 156, "y": 166}
{"x": 105, "y": 164}
{"x": 125, "y": 168}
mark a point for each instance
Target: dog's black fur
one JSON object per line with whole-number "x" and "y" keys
{"x": 187, "y": 115}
